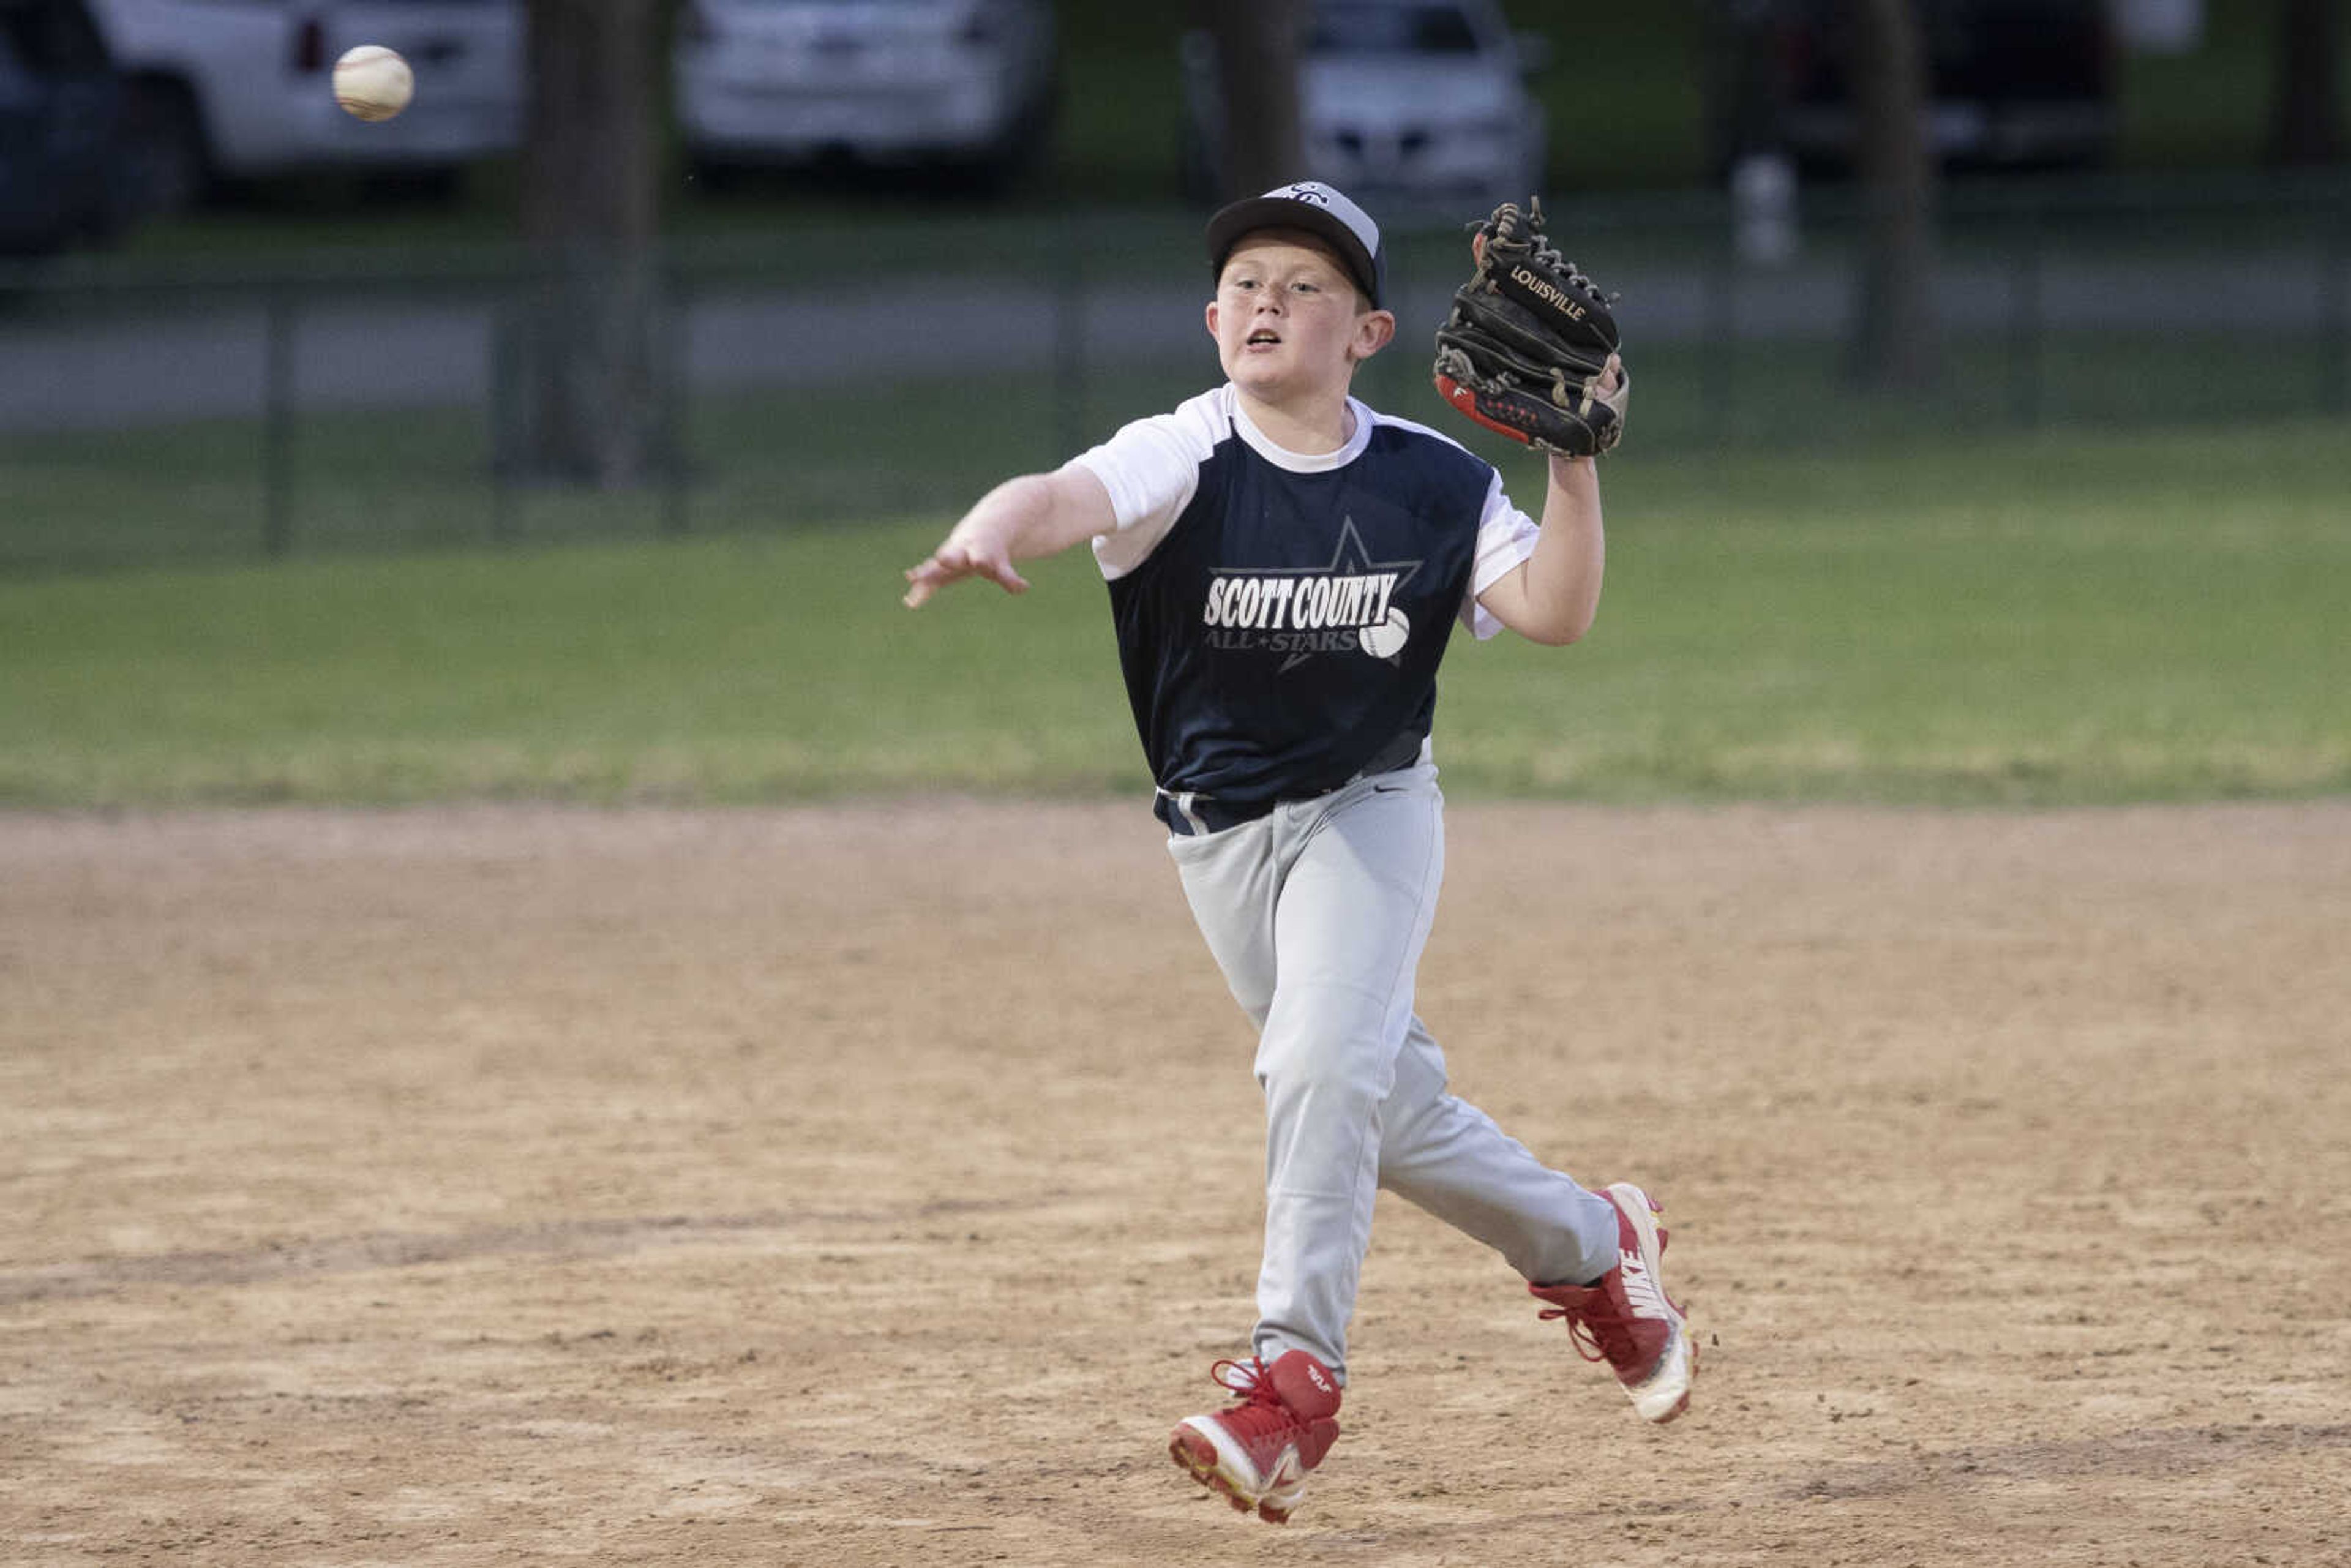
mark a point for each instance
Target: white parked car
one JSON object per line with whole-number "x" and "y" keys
{"x": 1404, "y": 104}
{"x": 240, "y": 89}
{"x": 955, "y": 84}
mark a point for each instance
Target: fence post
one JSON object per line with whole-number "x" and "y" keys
{"x": 2025, "y": 365}
{"x": 2334, "y": 318}
{"x": 278, "y": 422}
{"x": 1069, "y": 344}
{"x": 1718, "y": 338}
{"x": 505, "y": 395}
{"x": 676, "y": 378}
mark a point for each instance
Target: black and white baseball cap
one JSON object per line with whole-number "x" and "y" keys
{"x": 1321, "y": 212}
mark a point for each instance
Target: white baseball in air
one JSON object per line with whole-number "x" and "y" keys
{"x": 1386, "y": 640}
{"x": 373, "y": 82}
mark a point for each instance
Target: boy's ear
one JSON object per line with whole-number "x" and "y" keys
{"x": 1374, "y": 330}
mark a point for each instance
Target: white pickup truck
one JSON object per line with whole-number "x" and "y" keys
{"x": 221, "y": 90}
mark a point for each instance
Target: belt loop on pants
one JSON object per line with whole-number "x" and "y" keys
{"x": 1189, "y": 814}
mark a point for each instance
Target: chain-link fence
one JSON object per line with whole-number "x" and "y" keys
{"x": 153, "y": 414}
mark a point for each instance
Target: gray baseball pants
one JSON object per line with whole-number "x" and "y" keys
{"x": 1317, "y": 913}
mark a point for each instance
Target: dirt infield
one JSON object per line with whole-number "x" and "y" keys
{"x": 874, "y": 1185}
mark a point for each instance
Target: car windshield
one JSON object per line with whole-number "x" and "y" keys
{"x": 1345, "y": 29}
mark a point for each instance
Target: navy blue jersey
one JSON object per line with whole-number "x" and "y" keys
{"x": 1281, "y": 617}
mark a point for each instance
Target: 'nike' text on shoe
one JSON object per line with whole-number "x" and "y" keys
{"x": 1625, "y": 1319}
{"x": 1257, "y": 1451}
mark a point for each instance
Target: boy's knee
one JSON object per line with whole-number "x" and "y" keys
{"x": 1324, "y": 1065}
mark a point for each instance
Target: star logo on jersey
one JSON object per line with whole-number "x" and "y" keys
{"x": 1348, "y": 606}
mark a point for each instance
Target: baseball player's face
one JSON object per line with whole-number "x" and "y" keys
{"x": 1286, "y": 318}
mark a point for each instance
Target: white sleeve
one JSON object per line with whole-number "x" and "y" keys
{"x": 1150, "y": 468}
{"x": 1506, "y": 536}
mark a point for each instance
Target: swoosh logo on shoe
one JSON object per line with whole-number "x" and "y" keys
{"x": 1641, "y": 1292}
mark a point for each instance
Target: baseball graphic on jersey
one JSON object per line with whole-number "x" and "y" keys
{"x": 1388, "y": 639}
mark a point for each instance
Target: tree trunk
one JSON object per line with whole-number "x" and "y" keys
{"x": 2307, "y": 97}
{"x": 1897, "y": 344}
{"x": 1257, "y": 69}
{"x": 583, "y": 357}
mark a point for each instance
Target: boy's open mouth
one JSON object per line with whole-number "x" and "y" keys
{"x": 1263, "y": 335}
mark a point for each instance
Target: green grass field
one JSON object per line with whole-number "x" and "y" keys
{"x": 2025, "y": 619}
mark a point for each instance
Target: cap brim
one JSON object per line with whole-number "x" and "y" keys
{"x": 1227, "y": 229}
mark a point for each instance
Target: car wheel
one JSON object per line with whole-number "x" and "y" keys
{"x": 438, "y": 187}
{"x": 164, "y": 167}
{"x": 1023, "y": 147}
{"x": 714, "y": 176}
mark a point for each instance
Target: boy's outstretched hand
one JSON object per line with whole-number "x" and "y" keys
{"x": 957, "y": 559}
{"x": 1031, "y": 515}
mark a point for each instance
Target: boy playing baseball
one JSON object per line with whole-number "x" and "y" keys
{"x": 1285, "y": 566}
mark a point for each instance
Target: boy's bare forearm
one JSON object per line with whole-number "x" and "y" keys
{"x": 1031, "y": 515}
{"x": 1572, "y": 520}
{"x": 1022, "y": 518}
{"x": 1561, "y": 586}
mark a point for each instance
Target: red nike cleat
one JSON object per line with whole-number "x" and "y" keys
{"x": 1257, "y": 1451}
{"x": 1625, "y": 1319}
